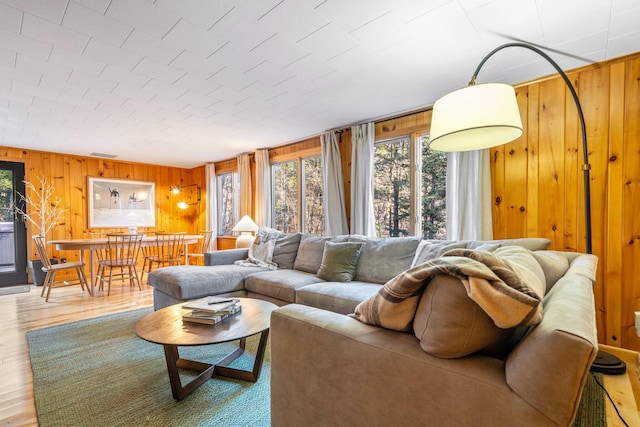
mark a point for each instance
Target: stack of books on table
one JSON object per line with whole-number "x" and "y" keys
{"x": 210, "y": 310}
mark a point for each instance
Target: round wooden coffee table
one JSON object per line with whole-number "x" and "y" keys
{"x": 167, "y": 328}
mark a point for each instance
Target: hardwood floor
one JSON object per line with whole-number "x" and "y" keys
{"x": 22, "y": 312}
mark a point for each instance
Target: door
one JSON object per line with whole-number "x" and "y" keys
{"x": 13, "y": 233}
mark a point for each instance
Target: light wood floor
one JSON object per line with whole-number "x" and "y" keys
{"x": 26, "y": 311}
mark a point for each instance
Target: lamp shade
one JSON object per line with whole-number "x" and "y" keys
{"x": 475, "y": 117}
{"x": 245, "y": 224}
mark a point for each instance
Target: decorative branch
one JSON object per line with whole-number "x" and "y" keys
{"x": 42, "y": 209}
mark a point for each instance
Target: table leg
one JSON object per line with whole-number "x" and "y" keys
{"x": 207, "y": 370}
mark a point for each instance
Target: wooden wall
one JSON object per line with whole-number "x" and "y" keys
{"x": 69, "y": 174}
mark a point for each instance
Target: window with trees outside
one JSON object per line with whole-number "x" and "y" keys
{"x": 297, "y": 195}
{"x": 228, "y": 202}
{"x": 404, "y": 206}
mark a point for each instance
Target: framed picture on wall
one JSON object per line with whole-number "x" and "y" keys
{"x": 117, "y": 203}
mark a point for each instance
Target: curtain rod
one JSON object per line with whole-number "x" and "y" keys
{"x": 383, "y": 119}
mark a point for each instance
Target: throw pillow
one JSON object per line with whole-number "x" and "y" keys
{"x": 449, "y": 324}
{"x": 428, "y": 250}
{"x": 384, "y": 258}
{"x": 310, "y": 250}
{"x": 339, "y": 261}
{"x": 284, "y": 254}
{"x": 554, "y": 265}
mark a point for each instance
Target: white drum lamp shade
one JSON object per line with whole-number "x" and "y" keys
{"x": 475, "y": 117}
{"x": 245, "y": 227}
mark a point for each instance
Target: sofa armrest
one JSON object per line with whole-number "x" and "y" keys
{"x": 357, "y": 374}
{"x": 225, "y": 257}
{"x": 557, "y": 354}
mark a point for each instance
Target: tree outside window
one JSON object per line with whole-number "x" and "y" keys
{"x": 394, "y": 199}
{"x": 228, "y": 202}
{"x": 297, "y": 195}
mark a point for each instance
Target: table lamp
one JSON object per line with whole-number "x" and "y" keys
{"x": 245, "y": 227}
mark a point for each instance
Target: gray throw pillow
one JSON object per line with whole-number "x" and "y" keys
{"x": 339, "y": 261}
{"x": 428, "y": 250}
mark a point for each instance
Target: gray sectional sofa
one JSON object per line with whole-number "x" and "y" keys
{"x": 454, "y": 367}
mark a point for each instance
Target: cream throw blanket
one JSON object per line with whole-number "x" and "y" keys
{"x": 499, "y": 286}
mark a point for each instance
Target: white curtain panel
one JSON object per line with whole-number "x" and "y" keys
{"x": 362, "y": 216}
{"x": 335, "y": 214}
{"x": 262, "y": 209}
{"x": 211, "y": 191}
{"x": 469, "y": 196}
{"x": 246, "y": 196}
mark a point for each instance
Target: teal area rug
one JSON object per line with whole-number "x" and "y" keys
{"x": 97, "y": 372}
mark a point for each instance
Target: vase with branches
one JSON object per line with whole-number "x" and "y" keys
{"x": 42, "y": 209}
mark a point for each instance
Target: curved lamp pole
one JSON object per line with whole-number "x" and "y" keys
{"x": 486, "y": 115}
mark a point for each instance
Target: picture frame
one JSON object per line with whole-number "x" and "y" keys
{"x": 118, "y": 203}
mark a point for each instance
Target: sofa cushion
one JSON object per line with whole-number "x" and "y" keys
{"x": 279, "y": 284}
{"x": 185, "y": 282}
{"x": 335, "y": 296}
{"x": 428, "y": 250}
{"x": 450, "y": 324}
{"x": 553, "y": 264}
{"x": 382, "y": 259}
{"x": 284, "y": 253}
{"x": 310, "y": 253}
{"x": 339, "y": 261}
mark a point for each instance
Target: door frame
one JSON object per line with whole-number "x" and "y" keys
{"x": 19, "y": 275}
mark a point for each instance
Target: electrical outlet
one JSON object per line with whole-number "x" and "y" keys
{"x": 637, "y": 313}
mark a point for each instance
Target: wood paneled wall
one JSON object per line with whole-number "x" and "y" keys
{"x": 538, "y": 181}
{"x": 69, "y": 173}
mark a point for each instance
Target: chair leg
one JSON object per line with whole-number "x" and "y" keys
{"x": 135, "y": 272}
{"x": 109, "y": 282}
{"x": 51, "y": 276}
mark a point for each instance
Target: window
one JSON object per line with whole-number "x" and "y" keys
{"x": 297, "y": 195}
{"x": 228, "y": 202}
{"x": 399, "y": 208}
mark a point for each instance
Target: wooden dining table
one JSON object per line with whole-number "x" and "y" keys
{"x": 92, "y": 244}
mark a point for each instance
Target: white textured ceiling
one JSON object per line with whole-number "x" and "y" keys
{"x": 184, "y": 82}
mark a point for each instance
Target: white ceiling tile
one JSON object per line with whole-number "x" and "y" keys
{"x": 99, "y": 6}
{"x": 196, "y": 65}
{"x": 13, "y": 74}
{"x": 353, "y": 14}
{"x": 74, "y": 61}
{"x": 167, "y": 90}
{"x": 623, "y": 45}
{"x": 108, "y": 99}
{"x": 354, "y": 60}
{"x": 26, "y": 63}
{"x": 20, "y": 44}
{"x": 591, "y": 21}
{"x": 143, "y": 15}
{"x": 197, "y": 99}
{"x": 153, "y": 69}
{"x": 91, "y": 23}
{"x": 62, "y": 86}
{"x": 151, "y": 47}
{"x": 28, "y": 90}
{"x": 293, "y": 20}
{"x": 625, "y": 22}
{"x": 272, "y": 74}
{"x": 196, "y": 84}
{"x": 51, "y": 10}
{"x": 244, "y": 32}
{"x": 133, "y": 92}
{"x": 48, "y": 32}
{"x": 203, "y": 13}
{"x": 10, "y": 19}
{"x": 102, "y": 51}
{"x": 328, "y": 42}
{"x": 375, "y": 35}
{"x": 119, "y": 75}
{"x": 280, "y": 50}
{"x": 7, "y": 58}
{"x": 232, "y": 81}
{"x": 194, "y": 39}
{"x": 237, "y": 58}
{"x": 80, "y": 78}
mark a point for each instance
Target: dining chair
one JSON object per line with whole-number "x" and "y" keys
{"x": 119, "y": 260}
{"x": 204, "y": 245}
{"x": 166, "y": 250}
{"x": 52, "y": 269}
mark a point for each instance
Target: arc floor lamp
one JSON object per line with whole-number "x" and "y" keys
{"x": 486, "y": 115}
